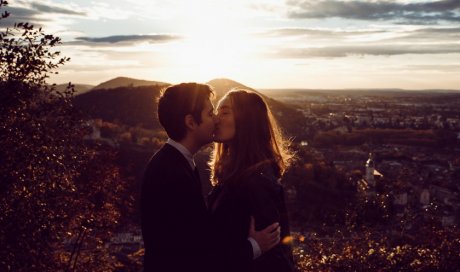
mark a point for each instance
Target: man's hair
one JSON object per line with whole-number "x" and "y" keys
{"x": 177, "y": 101}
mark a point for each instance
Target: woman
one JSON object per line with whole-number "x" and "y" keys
{"x": 249, "y": 158}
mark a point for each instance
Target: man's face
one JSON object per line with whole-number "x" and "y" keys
{"x": 205, "y": 130}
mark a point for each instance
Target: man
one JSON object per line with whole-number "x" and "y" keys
{"x": 175, "y": 221}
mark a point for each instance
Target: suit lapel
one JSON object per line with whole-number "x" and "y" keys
{"x": 183, "y": 165}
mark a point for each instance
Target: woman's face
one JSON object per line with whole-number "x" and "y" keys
{"x": 225, "y": 129}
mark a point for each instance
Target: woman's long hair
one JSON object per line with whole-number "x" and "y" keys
{"x": 258, "y": 143}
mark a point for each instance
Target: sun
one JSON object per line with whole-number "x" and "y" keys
{"x": 214, "y": 43}
{"x": 209, "y": 56}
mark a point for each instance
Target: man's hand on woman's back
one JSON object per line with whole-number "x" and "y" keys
{"x": 266, "y": 238}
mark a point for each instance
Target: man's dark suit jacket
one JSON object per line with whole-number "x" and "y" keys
{"x": 175, "y": 220}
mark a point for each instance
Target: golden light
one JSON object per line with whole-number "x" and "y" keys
{"x": 215, "y": 43}
{"x": 288, "y": 240}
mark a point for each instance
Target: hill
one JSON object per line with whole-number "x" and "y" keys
{"x": 132, "y": 106}
{"x": 223, "y": 85}
{"x": 79, "y": 88}
{"x": 127, "y": 82}
{"x": 137, "y": 106}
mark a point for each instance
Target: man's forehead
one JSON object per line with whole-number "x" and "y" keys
{"x": 208, "y": 104}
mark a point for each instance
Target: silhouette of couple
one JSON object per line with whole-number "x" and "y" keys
{"x": 243, "y": 224}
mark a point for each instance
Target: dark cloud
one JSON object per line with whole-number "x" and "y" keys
{"x": 429, "y": 11}
{"x": 19, "y": 14}
{"x": 33, "y": 14}
{"x": 54, "y": 9}
{"x": 125, "y": 39}
{"x": 361, "y": 50}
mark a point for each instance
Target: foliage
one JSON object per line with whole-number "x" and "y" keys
{"x": 374, "y": 249}
{"x": 321, "y": 192}
{"x": 53, "y": 185}
{"x": 343, "y": 229}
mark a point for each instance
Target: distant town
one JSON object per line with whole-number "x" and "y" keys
{"x": 423, "y": 167}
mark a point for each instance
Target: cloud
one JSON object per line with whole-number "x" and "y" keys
{"x": 423, "y": 12}
{"x": 365, "y": 50}
{"x": 316, "y": 33}
{"x": 39, "y": 14}
{"x": 443, "y": 31}
{"x": 370, "y": 41}
{"x": 429, "y": 35}
{"x": 56, "y": 9}
{"x": 97, "y": 68}
{"x": 438, "y": 68}
{"x": 261, "y": 7}
{"x": 20, "y": 14}
{"x": 125, "y": 39}
{"x": 372, "y": 36}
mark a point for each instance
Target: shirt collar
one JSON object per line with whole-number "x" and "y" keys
{"x": 184, "y": 151}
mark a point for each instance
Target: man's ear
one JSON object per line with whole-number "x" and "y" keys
{"x": 190, "y": 122}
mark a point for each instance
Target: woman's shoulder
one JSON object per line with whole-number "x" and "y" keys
{"x": 263, "y": 179}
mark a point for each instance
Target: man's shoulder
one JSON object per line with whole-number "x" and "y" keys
{"x": 166, "y": 162}
{"x": 160, "y": 162}
{"x": 166, "y": 155}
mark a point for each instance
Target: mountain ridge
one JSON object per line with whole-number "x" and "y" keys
{"x": 127, "y": 82}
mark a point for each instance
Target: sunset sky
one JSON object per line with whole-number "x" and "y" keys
{"x": 263, "y": 43}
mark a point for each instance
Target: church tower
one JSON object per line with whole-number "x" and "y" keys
{"x": 370, "y": 167}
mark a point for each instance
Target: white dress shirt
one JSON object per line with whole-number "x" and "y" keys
{"x": 184, "y": 151}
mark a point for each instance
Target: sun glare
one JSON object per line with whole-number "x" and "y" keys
{"x": 208, "y": 57}
{"x": 215, "y": 44}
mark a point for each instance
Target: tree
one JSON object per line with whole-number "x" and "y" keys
{"x": 53, "y": 185}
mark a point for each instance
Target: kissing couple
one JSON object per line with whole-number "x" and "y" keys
{"x": 243, "y": 224}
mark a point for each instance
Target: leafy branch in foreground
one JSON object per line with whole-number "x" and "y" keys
{"x": 53, "y": 184}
